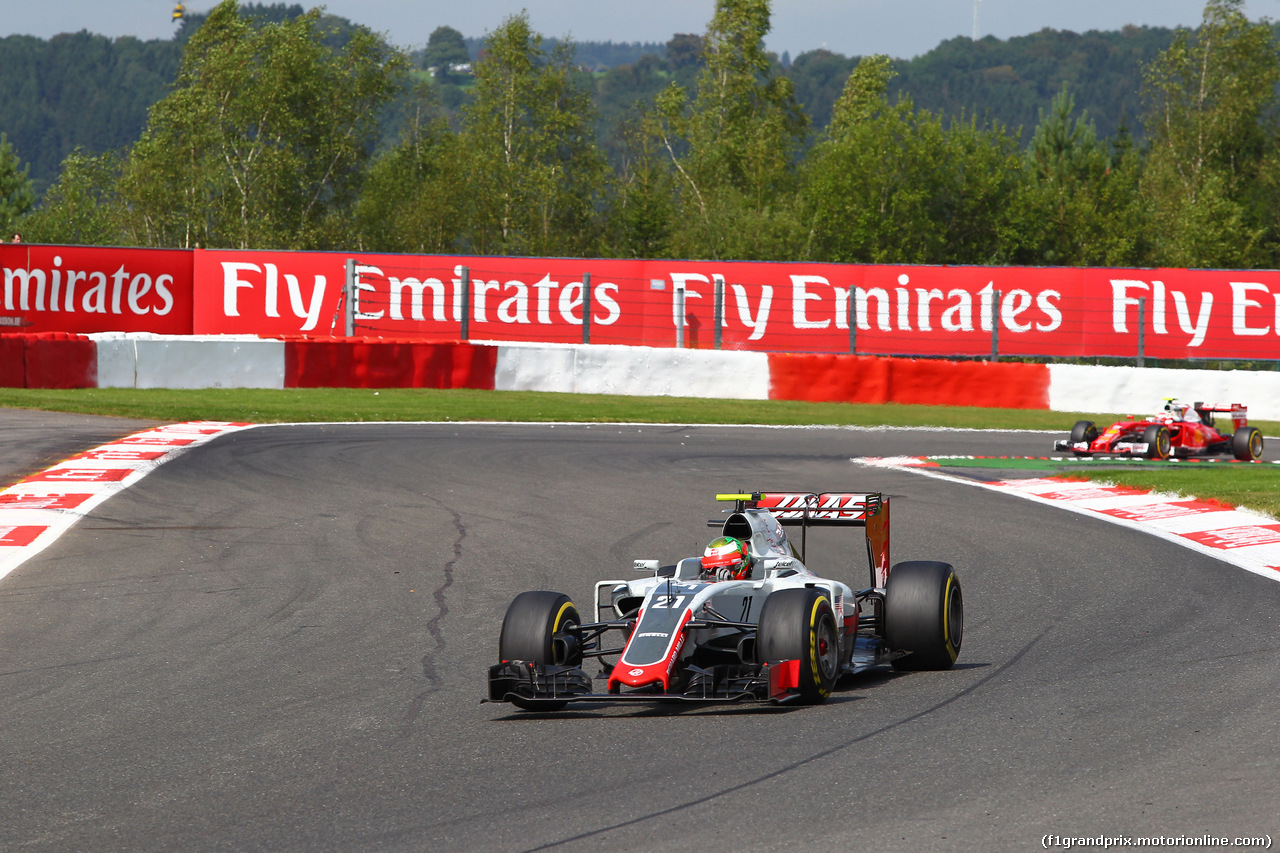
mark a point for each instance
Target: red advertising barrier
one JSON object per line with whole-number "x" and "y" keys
{"x": 13, "y": 361}
{"x": 771, "y": 307}
{"x": 768, "y": 307}
{"x": 48, "y": 360}
{"x": 868, "y": 379}
{"x": 89, "y": 289}
{"x": 342, "y": 363}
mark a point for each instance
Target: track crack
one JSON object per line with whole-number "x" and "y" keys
{"x": 440, "y": 596}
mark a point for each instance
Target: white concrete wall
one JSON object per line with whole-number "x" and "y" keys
{"x": 634, "y": 371}
{"x": 1141, "y": 390}
{"x": 143, "y": 360}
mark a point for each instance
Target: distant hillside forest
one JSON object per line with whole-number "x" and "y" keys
{"x": 266, "y": 125}
{"x": 92, "y": 92}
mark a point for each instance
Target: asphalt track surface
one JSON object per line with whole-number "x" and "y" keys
{"x": 279, "y": 640}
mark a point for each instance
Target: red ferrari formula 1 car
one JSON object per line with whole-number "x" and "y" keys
{"x": 1182, "y": 430}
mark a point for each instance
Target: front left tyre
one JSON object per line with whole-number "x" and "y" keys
{"x": 541, "y": 627}
{"x": 1246, "y": 444}
{"x": 799, "y": 624}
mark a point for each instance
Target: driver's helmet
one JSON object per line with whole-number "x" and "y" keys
{"x": 727, "y": 558}
{"x": 1181, "y": 411}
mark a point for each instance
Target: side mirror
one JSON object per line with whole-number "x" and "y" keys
{"x": 645, "y": 565}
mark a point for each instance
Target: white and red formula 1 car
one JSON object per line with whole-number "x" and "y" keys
{"x": 1181, "y": 431}
{"x": 779, "y": 634}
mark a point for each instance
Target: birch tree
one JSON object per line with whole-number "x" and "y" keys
{"x": 1212, "y": 124}
{"x": 534, "y": 168}
{"x": 263, "y": 139}
{"x": 734, "y": 142}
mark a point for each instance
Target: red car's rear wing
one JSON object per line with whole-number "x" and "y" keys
{"x": 1238, "y": 411}
{"x": 829, "y": 509}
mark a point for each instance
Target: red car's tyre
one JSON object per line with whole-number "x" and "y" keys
{"x": 1159, "y": 445}
{"x": 1083, "y": 431}
{"x": 1246, "y": 444}
{"x": 924, "y": 614}
{"x": 799, "y": 624}
{"x": 541, "y": 627}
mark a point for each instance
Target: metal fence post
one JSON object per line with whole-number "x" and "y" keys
{"x": 995, "y": 325}
{"x": 719, "y": 308}
{"x": 586, "y": 307}
{"x": 853, "y": 320}
{"x": 465, "y": 331}
{"x": 349, "y": 318}
{"x": 679, "y": 317}
{"x": 1142, "y": 331}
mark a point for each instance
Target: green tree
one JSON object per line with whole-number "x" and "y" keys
{"x": 890, "y": 184}
{"x": 415, "y": 197}
{"x": 819, "y": 76}
{"x": 16, "y": 194}
{"x": 264, "y": 138}
{"x": 1212, "y": 125}
{"x": 446, "y": 48}
{"x": 735, "y": 143}
{"x": 81, "y": 206}
{"x": 78, "y": 90}
{"x": 1081, "y": 204}
{"x": 642, "y": 203}
{"x": 684, "y": 50}
{"x": 534, "y": 168}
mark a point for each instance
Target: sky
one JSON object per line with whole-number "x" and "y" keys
{"x": 899, "y": 28}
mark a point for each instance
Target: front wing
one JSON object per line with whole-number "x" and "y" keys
{"x": 775, "y": 683}
{"x": 1120, "y": 448}
{"x": 531, "y": 682}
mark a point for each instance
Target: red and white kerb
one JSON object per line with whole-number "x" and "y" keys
{"x": 37, "y": 510}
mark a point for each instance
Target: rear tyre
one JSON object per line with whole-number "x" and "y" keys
{"x": 799, "y": 624}
{"x": 541, "y": 627}
{"x": 1159, "y": 445}
{"x": 1246, "y": 444}
{"x": 924, "y": 614}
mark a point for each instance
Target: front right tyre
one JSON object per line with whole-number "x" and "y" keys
{"x": 1085, "y": 431}
{"x": 1159, "y": 444}
{"x": 541, "y": 627}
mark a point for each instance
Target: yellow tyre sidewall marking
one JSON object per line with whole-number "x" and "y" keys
{"x": 952, "y": 651}
{"x": 814, "y": 665}
{"x": 555, "y": 626}
{"x": 559, "y": 620}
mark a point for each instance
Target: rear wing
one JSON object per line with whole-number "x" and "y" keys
{"x": 1238, "y": 411}
{"x": 869, "y": 510}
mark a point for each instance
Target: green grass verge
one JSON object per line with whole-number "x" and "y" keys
{"x": 1257, "y": 487}
{"x": 422, "y": 404}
